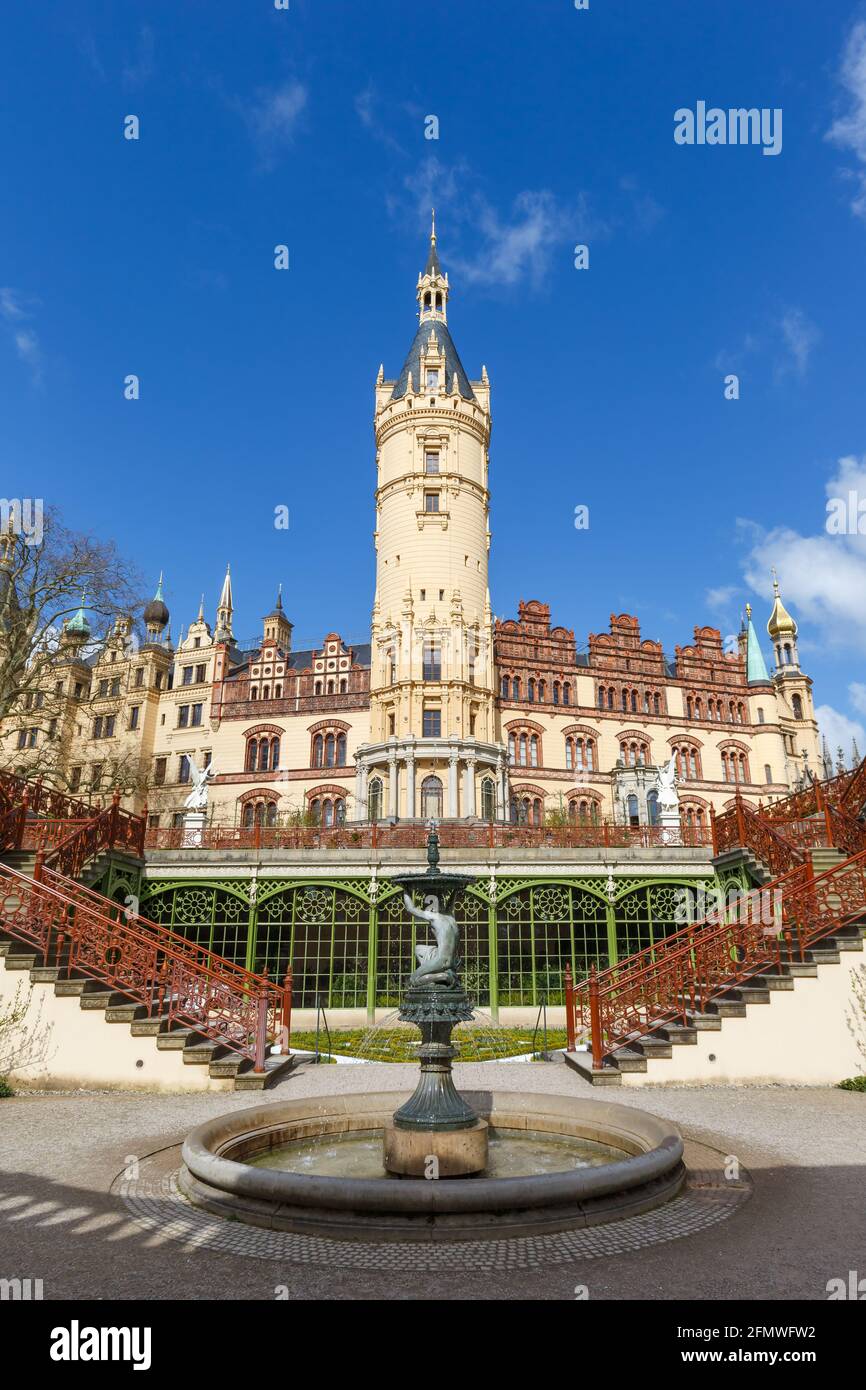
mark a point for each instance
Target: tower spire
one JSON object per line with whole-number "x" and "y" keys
{"x": 225, "y": 609}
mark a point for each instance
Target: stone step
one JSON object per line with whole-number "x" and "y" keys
{"x": 127, "y": 1012}
{"x": 838, "y": 942}
{"x": 177, "y": 1039}
{"x": 150, "y": 1027}
{"x": 226, "y": 1066}
{"x": 628, "y": 1059}
{"x": 754, "y": 994}
{"x": 20, "y": 960}
{"x": 705, "y": 1023}
{"x": 74, "y": 988}
{"x": 801, "y": 970}
{"x": 682, "y": 1034}
{"x": 275, "y": 1069}
{"x": 581, "y": 1062}
{"x": 726, "y": 1007}
{"x": 774, "y": 982}
{"x": 102, "y": 998}
{"x": 199, "y": 1054}
{"x": 45, "y": 974}
{"x": 653, "y": 1046}
{"x": 822, "y": 956}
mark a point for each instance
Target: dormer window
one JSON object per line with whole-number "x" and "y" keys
{"x": 432, "y": 379}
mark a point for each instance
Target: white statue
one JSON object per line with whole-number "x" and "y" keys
{"x": 668, "y": 800}
{"x": 197, "y": 799}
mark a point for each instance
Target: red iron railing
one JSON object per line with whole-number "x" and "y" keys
{"x": 380, "y": 835}
{"x": 682, "y": 973}
{"x": 173, "y": 978}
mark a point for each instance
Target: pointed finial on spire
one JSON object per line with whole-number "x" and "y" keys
{"x": 433, "y": 226}
{"x": 748, "y": 612}
{"x": 775, "y": 580}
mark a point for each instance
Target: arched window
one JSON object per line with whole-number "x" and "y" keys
{"x": 515, "y": 688}
{"x": 566, "y": 694}
{"x": 569, "y": 753}
{"x": 600, "y": 697}
{"x": 505, "y": 687}
{"x": 318, "y": 751}
{"x": 590, "y": 755}
{"x": 339, "y": 812}
{"x": 271, "y": 814}
{"x": 330, "y": 756}
{"x": 431, "y": 798}
{"x": 768, "y": 773}
{"x": 275, "y": 754}
{"x": 341, "y": 750}
{"x": 533, "y": 751}
{"x": 327, "y": 814}
{"x": 488, "y": 799}
{"x": 652, "y": 807}
{"x": 316, "y": 811}
{"x": 541, "y": 689}
{"x": 633, "y": 814}
{"x": 536, "y": 812}
{"x": 374, "y": 798}
{"x": 512, "y": 754}
{"x": 625, "y": 700}
{"x": 523, "y": 750}
{"x": 252, "y": 754}
{"x": 797, "y": 706}
{"x": 657, "y": 704}
{"x": 689, "y": 707}
{"x": 634, "y": 702}
{"x": 531, "y": 690}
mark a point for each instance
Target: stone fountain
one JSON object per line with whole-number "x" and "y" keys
{"x": 436, "y": 1133}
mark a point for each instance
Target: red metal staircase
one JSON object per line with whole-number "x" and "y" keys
{"x": 177, "y": 982}
{"x": 679, "y": 978}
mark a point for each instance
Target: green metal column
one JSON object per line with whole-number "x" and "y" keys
{"x": 252, "y": 937}
{"x": 612, "y": 951}
{"x": 493, "y": 951}
{"x": 372, "y": 961}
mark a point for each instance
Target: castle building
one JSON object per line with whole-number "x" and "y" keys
{"x": 447, "y": 713}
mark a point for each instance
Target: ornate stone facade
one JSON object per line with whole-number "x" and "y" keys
{"x": 446, "y": 713}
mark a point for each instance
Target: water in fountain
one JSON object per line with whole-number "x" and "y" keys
{"x": 482, "y": 1040}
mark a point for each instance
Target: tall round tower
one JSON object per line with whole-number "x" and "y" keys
{"x": 432, "y": 679}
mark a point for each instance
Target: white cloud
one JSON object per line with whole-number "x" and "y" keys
{"x": 849, "y": 131}
{"x": 273, "y": 118}
{"x": 14, "y": 313}
{"x": 799, "y": 336}
{"x": 857, "y": 696}
{"x": 822, "y": 576}
{"x": 840, "y": 732}
{"x": 722, "y": 596}
{"x": 140, "y": 69}
{"x": 510, "y": 246}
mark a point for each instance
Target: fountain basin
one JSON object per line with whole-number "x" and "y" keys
{"x": 218, "y": 1175}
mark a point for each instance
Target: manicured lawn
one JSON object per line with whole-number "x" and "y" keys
{"x": 401, "y": 1043}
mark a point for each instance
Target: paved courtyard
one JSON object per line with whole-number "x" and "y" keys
{"x": 796, "y": 1218}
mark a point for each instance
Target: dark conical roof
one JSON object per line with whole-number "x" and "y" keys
{"x": 453, "y": 365}
{"x": 433, "y": 267}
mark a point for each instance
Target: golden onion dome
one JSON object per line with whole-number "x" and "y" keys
{"x": 781, "y": 624}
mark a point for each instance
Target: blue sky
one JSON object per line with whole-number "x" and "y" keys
{"x": 307, "y": 127}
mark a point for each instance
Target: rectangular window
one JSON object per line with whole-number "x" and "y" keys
{"x": 133, "y": 716}
{"x": 183, "y": 769}
{"x": 195, "y": 720}
{"x": 22, "y": 738}
{"x": 103, "y": 687}
{"x": 432, "y": 379}
{"x": 177, "y": 820}
{"x": 432, "y": 723}
{"x": 79, "y": 690}
{"x": 432, "y": 664}
{"x": 153, "y": 822}
{"x": 431, "y": 463}
{"x": 431, "y": 501}
{"x": 139, "y": 677}
{"x": 159, "y": 769}
{"x": 183, "y": 717}
{"x": 159, "y": 680}
{"x": 115, "y": 686}
{"x": 200, "y": 674}
{"x": 74, "y": 778}
{"x": 186, "y": 678}
{"x": 96, "y": 776}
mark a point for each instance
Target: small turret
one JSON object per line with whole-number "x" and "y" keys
{"x": 225, "y": 610}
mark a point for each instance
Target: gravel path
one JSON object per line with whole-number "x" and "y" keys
{"x": 806, "y": 1222}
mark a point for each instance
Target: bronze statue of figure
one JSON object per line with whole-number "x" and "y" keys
{"x": 437, "y": 965}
